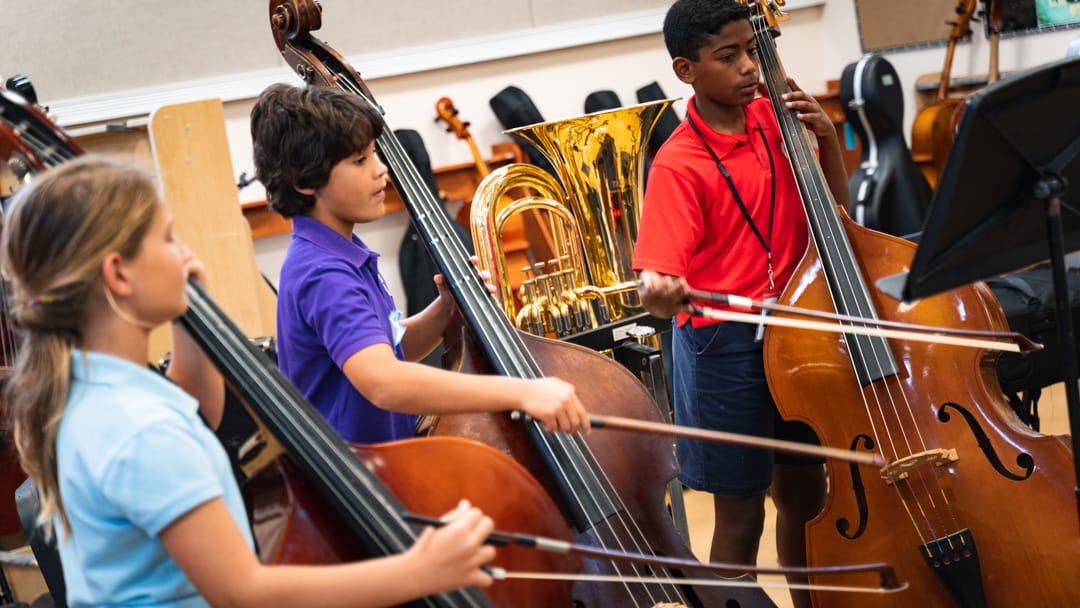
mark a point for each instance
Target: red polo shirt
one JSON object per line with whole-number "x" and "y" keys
{"x": 691, "y": 225}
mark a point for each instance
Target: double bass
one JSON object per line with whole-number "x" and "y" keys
{"x": 30, "y": 143}
{"x": 966, "y": 509}
{"x": 609, "y": 486}
{"x": 316, "y": 500}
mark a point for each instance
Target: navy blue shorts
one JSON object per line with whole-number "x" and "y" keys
{"x": 718, "y": 383}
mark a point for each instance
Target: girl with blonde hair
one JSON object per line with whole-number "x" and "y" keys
{"x": 136, "y": 488}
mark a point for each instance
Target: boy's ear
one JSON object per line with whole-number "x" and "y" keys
{"x": 306, "y": 191}
{"x": 684, "y": 69}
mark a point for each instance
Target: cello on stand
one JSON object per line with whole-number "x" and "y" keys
{"x": 966, "y": 507}
{"x": 609, "y": 488}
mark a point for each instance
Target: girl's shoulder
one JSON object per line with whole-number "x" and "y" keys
{"x": 111, "y": 399}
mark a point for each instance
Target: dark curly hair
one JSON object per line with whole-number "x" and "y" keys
{"x": 300, "y": 133}
{"x": 689, "y": 23}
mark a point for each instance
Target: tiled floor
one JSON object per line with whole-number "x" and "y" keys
{"x": 699, "y": 519}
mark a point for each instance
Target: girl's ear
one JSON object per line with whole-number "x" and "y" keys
{"x": 684, "y": 69}
{"x": 114, "y": 274}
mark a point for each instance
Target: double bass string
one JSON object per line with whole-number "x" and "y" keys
{"x": 833, "y": 244}
{"x": 461, "y": 273}
{"x": 464, "y": 279}
{"x": 835, "y": 248}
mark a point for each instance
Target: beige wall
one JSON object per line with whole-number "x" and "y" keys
{"x": 557, "y": 81}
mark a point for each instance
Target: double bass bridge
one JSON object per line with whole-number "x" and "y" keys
{"x": 901, "y": 469}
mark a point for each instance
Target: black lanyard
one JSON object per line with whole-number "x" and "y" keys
{"x": 765, "y": 244}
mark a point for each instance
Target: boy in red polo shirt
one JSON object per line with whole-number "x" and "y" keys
{"x": 722, "y": 213}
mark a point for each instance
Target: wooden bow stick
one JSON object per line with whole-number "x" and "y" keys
{"x": 990, "y": 340}
{"x": 888, "y": 581}
{"x": 599, "y": 421}
{"x": 632, "y": 424}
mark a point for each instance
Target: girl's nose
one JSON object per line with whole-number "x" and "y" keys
{"x": 186, "y": 254}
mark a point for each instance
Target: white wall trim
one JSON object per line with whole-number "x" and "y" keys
{"x": 131, "y": 107}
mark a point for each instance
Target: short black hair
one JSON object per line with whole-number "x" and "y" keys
{"x": 689, "y": 23}
{"x": 300, "y": 133}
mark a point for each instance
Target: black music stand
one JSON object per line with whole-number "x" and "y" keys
{"x": 1013, "y": 168}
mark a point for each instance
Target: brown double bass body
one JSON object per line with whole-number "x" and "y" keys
{"x": 970, "y": 510}
{"x": 1006, "y": 490}
{"x": 294, "y": 524}
{"x": 610, "y": 485}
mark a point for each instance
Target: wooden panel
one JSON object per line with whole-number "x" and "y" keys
{"x": 192, "y": 157}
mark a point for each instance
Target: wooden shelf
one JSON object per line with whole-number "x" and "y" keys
{"x": 456, "y": 183}
{"x": 926, "y": 87}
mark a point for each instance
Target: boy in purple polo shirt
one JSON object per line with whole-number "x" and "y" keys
{"x": 341, "y": 340}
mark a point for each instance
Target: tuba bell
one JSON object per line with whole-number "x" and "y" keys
{"x": 591, "y": 213}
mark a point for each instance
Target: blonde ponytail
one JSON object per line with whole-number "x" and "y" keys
{"x": 57, "y": 233}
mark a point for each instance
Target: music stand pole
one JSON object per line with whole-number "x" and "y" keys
{"x": 1050, "y": 189}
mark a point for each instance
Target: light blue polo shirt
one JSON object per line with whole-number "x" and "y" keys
{"x": 133, "y": 456}
{"x": 332, "y": 303}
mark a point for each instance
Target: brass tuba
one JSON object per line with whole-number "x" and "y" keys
{"x": 592, "y": 217}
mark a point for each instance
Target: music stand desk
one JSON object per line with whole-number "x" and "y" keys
{"x": 1009, "y": 197}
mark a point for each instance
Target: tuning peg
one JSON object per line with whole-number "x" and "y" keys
{"x": 21, "y": 84}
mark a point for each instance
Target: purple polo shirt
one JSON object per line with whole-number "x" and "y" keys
{"x": 332, "y": 303}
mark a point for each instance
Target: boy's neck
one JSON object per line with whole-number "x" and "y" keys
{"x": 331, "y": 221}
{"x": 722, "y": 118}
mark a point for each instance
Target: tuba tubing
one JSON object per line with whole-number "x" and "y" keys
{"x": 593, "y": 215}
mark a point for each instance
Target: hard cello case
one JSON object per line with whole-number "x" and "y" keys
{"x": 888, "y": 192}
